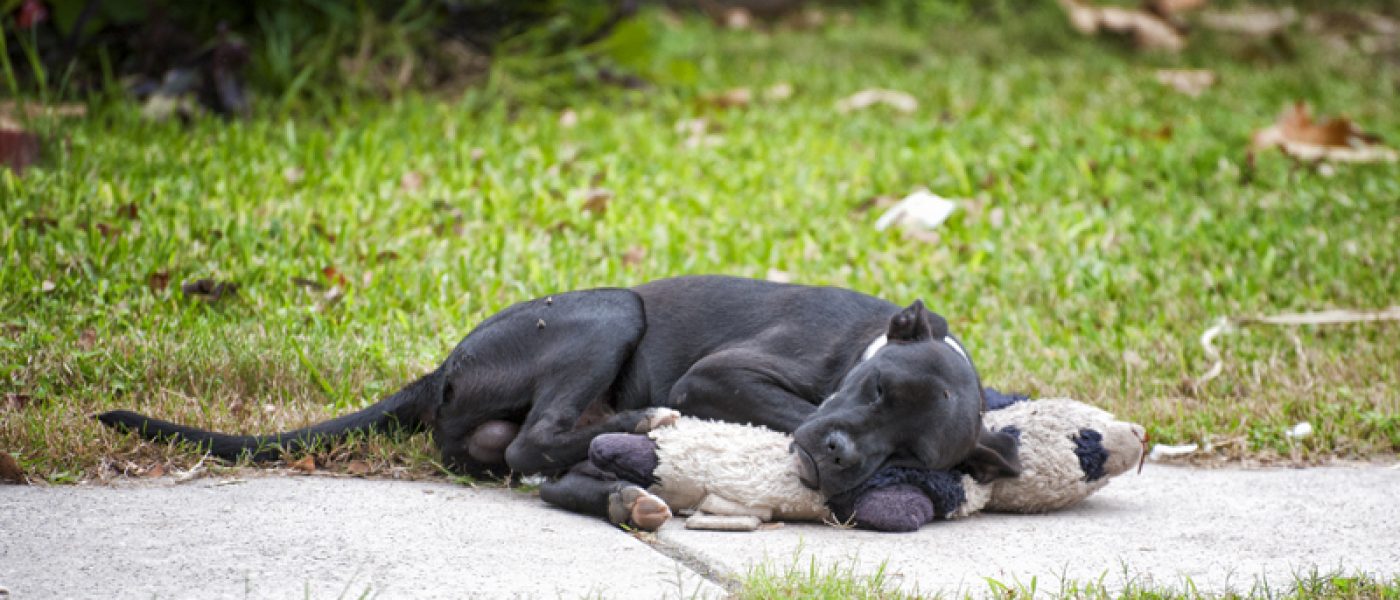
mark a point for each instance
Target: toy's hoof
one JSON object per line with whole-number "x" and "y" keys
{"x": 633, "y": 506}
{"x": 657, "y": 418}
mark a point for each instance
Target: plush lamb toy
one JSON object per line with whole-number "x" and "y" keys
{"x": 735, "y": 477}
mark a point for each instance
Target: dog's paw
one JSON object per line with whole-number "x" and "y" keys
{"x": 635, "y": 507}
{"x": 657, "y": 418}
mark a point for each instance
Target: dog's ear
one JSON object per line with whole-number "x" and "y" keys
{"x": 995, "y": 457}
{"x": 915, "y": 324}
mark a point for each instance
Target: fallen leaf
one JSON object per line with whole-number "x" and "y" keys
{"x": 477, "y": 154}
{"x": 1256, "y": 22}
{"x": 595, "y": 202}
{"x": 9, "y": 469}
{"x": 919, "y": 210}
{"x": 109, "y": 231}
{"x": 293, "y": 175}
{"x": 568, "y": 119}
{"x": 17, "y": 401}
{"x": 31, "y": 13}
{"x": 734, "y": 98}
{"x": 1173, "y": 7}
{"x": 864, "y": 99}
{"x": 13, "y": 110}
{"x": 1191, "y": 82}
{"x": 1337, "y": 139}
{"x": 736, "y": 19}
{"x": 779, "y": 276}
{"x": 333, "y": 275}
{"x": 634, "y": 256}
{"x": 208, "y": 289}
{"x": 1149, "y": 31}
{"x": 778, "y": 92}
{"x": 155, "y": 471}
{"x": 411, "y": 181}
{"x": 87, "y": 339}
{"x": 19, "y": 149}
{"x": 358, "y": 468}
{"x": 307, "y": 464}
{"x": 129, "y": 211}
{"x": 158, "y": 281}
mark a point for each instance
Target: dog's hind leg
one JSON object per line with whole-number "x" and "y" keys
{"x": 541, "y": 364}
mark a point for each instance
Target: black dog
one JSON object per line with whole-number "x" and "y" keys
{"x": 568, "y": 367}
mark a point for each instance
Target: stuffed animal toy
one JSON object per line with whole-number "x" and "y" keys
{"x": 735, "y": 477}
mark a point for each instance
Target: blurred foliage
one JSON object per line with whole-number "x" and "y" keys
{"x": 316, "y": 50}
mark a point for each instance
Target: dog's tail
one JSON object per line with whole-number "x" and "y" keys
{"x": 408, "y": 410}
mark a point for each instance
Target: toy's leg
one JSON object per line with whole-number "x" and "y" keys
{"x": 588, "y": 490}
{"x": 629, "y": 456}
{"x": 900, "y": 507}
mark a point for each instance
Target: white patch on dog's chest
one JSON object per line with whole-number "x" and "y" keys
{"x": 880, "y": 342}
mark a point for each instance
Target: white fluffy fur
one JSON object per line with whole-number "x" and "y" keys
{"x": 1051, "y": 477}
{"x": 743, "y": 465}
{"x": 741, "y": 470}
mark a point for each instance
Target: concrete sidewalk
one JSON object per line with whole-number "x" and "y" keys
{"x": 276, "y": 537}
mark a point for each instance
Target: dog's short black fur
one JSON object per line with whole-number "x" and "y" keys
{"x": 571, "y": 366}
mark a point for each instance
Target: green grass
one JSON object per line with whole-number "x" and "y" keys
{"x": 765, "y": 582}
{"x": 1085, "y": 261}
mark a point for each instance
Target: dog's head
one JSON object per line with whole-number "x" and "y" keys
{"x": 916, "y": 401}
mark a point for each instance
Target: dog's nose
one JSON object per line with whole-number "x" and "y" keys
{"x": 840, "y": 450}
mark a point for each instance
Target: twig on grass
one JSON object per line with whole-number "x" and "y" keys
{"x": 1326, "y": 317}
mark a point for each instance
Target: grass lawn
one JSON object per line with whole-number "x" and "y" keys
{"x": 1105, "y": 222}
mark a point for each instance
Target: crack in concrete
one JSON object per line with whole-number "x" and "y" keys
{"x": 692, "y": 561}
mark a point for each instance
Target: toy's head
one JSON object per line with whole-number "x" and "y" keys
{"x": 1068, "y": 451}
{"x": 916, "y": 402}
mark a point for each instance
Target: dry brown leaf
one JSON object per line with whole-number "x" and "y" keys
{"x": 1336, "y": 139}
{"x": 9, "y": 469}
{"x": 733, "y": 98}
{"x": 208, "y": 289}
{"x": 11, "y": 110}
{"x": 1148, "y": 30}
{"x": 306, "y": 465}
{"x": 158, "y": 280}
{"x": 156, "y": 471}
{"x": 411, "y": 181}
{"x": 864, "y": 99}
{"x": 1256, "y": 22}
{"x": 17, "y": 401}
{"x": 19, "y": 149}
{"x": 87, "y": 339}
{"x": 1172, "y": 7}
{"x": 358, "y": 468}
{"x": 634, "y": 256}
{"x": 129, "y": 211}
{"x": 595, "y": 202}
{"x": 1191, "y": 82}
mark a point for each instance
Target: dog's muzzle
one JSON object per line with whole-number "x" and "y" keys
{"x": 806, "y": 467}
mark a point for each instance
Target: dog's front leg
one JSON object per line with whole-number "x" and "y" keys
{"x": 743, "y": 386}
{"x": 548, "y": 443}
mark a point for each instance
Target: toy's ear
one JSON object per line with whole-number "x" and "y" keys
{"x": 915, "y": 324}
{"x": 996, "y": 456}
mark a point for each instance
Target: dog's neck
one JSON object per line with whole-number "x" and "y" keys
{"x": 880, "y": 342}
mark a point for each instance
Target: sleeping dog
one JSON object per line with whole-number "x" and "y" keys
{"x": 531, "y": 386}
